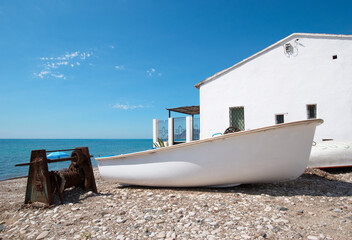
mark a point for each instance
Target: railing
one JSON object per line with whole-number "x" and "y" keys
{"x": 196, "y": 128}
{"x": 176, "y": 130}
{"x": 179, "y": 129}
{"x": 163, "y": 130}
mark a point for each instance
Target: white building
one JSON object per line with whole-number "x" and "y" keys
{"x": 301, "y": 76}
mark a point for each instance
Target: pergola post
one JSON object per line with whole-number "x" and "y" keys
{"x": 171, "y": 131}
{"x": 189, "y": 128}
{"x": 155, "y": 130}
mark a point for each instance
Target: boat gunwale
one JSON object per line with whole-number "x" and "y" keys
{"x": 224, "y": 136}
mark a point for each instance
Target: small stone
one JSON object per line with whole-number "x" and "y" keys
{"x": 300, "y": 212}
{"x": 169, "y": 234}
{"x": 213, "y": 223}
{"x": 42, "y": 235}
{"x": 337, "y": 210}
{"x": 161, "y": 234}
{"x": 312, "y": 238}
{"x": 2, "y": 227}
{"x": 187, "y": 225}
{"x": 283, "y": 209}
{"x": 245, "y": 236}
{"x": 120, "y": 220}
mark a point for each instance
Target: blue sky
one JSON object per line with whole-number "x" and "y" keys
{"x": 105, "y": 69}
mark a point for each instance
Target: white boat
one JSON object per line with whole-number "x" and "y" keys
{"x": 268, "y": 154}
{"x": 331, "y": 154}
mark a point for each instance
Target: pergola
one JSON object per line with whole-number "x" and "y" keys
{"x": 190, "y": 110}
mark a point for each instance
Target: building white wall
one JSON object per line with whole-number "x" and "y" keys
{"x": 275, "y": 83}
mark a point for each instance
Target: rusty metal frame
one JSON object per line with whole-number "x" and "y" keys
{"x": 42, "y": 184}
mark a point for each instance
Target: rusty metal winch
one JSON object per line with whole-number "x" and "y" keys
{"x": 42, "y": 184}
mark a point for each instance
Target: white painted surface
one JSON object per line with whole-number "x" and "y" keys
{"x": 272, "y": 83}
{"x": 189, "y": 129}
{"x": 171, "y": 131}
{"x": 155, "y": 130}
{"x": 269, "y": 154}
{"x": 331, "y": 154}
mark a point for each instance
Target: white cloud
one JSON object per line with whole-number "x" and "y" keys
{"x": 50, "y": 65}
{"x": 61, "y": 76}
{"x": 112, "y": 46}
{"x": 61, "y": 63}
{"x": 152, "y": 71}
{"x": 85, "y": 55}
{"x": 127, "y": 106}
{"x": 42, "y": 74}
{"x": 48, "y": 74}
{"x": 71, "y": 55}
{"x": 53, "y": 66}
{"x": 120, "y": 67}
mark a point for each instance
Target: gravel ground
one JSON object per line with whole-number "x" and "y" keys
{"x": 317, "y": 205}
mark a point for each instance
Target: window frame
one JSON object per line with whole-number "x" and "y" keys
{"x": 315, "y": 113}
{"x": 276, "y": 118}
{"x": 230, "y": 117}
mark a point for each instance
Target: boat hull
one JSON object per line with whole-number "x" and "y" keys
{"x": 331, "y": 154}
{"x": 275, "y": 153}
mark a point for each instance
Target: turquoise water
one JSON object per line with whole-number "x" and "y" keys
{"x": 13, "y": 151}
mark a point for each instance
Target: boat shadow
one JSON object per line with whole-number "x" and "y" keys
{"x": 313, "y": 182}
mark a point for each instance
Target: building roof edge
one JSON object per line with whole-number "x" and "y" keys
{"x": 319, "y": 35}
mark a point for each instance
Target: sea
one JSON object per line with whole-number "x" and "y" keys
{"x": 14, "y": 151}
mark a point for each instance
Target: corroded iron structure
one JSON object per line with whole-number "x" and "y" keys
{"x": 42, "y": 184}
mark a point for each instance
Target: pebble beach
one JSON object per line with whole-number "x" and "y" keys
{"x": 317, "y": 205}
